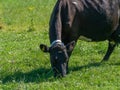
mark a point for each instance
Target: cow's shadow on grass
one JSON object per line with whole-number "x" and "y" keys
{"x": 42, "y": 74}
{"x": 38, "y": 75}
{"x": 85, "y": 66}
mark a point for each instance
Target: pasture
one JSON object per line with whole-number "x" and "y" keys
{"x": 23, "y": 26}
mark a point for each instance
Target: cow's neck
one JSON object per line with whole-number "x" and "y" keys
{"x": 55, "y": 23}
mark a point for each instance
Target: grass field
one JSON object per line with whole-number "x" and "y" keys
{"x": 23, "y": 26}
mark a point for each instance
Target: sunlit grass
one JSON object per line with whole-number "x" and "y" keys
{"x": 24, "y": 67}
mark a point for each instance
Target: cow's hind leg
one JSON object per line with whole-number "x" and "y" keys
{"x": 110, "y": 49}
{"x": 113, "y": 41}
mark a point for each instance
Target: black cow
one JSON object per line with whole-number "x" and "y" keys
{"x": 92, "y": 20}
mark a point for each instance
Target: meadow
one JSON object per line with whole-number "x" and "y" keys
{"x": 24, "y": 25}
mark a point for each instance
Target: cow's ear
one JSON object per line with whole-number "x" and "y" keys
{"x": 70, "y": 46}
{"x": 44, "y": 48}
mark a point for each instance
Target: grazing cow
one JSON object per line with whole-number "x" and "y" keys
{"x": 91, "y": 20}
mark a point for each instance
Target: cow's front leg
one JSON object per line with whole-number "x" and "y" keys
{"x": 69, "y": 51}
{"x": 110, "y": 49}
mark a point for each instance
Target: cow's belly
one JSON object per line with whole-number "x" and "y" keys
{"x": 93, "y": 34}
{"x": 97, "y": 28}
{"x": 96, "y": 32}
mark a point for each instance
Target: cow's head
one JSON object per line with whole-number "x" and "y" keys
{"x": 58, "y": 56}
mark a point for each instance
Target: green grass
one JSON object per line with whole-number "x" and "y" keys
{"x": 24, "y": 67}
